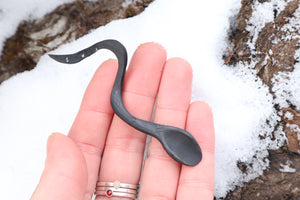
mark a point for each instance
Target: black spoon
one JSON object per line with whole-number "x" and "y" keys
{"x": 178, "y": 143}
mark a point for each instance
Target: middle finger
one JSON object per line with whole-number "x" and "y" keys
{"x": 123, "y": 155}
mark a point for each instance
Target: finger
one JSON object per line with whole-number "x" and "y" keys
{"x": 198, "y": 182}
{"x": 123, "y": 156}
{"x": 92, "y": 122}
{"x": 65, "y": 173}
{"x": 161, "y": 172}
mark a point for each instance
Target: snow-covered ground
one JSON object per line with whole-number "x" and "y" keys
{"x": 36, "y": 103}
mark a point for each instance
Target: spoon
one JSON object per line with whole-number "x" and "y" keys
{"x": 178, "y": 143}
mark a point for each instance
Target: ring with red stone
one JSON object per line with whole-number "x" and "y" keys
{"x": 110, "y": 189}
{"x": 124, "y": 190}
{"x": 110, "y": 193}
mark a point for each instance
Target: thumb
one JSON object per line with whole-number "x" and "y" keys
{"x": 65, "y": 173}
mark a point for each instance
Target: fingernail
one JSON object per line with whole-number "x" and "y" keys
{"x": 50, "y": 141}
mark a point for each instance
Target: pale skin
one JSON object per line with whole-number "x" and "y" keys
{"x": 100, "y": 146}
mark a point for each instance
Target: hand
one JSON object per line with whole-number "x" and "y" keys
{"x": 100, "y": 146}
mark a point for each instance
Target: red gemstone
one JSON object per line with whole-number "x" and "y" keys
{"x": 109, "y": 193}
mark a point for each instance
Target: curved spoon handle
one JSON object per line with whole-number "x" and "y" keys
{"x": 178, "y": 143}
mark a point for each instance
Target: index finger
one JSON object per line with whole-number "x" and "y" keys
{"x": 93, "y": 120}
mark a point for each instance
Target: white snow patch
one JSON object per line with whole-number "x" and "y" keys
{"x": 286, "y": 168}
{"x": 286, "y": 84}
{"x": 293, "y": 27}
{"x": 294, "y": 128}
{"x": 288, "y": 115}
{"x": 263, "y": 13}
{"x": 287, "y": 88}
{"x": 126, "y": 3}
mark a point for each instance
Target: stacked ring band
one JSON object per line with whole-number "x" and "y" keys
{"x": 116, "y": 189}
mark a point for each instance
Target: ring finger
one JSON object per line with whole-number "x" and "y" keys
{"x": 124, "y": 149}
{"x": 161, "y": 173}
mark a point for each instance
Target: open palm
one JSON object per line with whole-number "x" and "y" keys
{"x": 100, "y": 146}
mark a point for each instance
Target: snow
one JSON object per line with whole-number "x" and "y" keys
{"x": 263, "y": 13}
{"x": 287, "y": 87}
{"x": 286, "y": 168}
{"x": 34, "y": 104}
{"x": 292, "y": 27}
{"x": 286, "y": 84}
{"x": 126, "y": 3}
{"x": 288, "y": 116}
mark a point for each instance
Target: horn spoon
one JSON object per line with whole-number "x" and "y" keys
{"x": 178, "y": 143}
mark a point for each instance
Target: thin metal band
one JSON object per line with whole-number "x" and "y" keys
{"x": 117, "y": 194}
{"x": 117, "y": 184}
{"x": 124, "y": 190}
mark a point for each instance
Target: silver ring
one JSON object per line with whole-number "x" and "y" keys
{"x": 115, "y": 194}
{"x": 117, "y": 189}
{"x": 124, "y": 190}
{"x": 116, "y": 184}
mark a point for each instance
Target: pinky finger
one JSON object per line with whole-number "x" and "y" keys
{"x": 198, "y": 182}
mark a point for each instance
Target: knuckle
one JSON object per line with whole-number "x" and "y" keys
{"x": 200, "y": 184}
{"x": 89, "y": 148}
